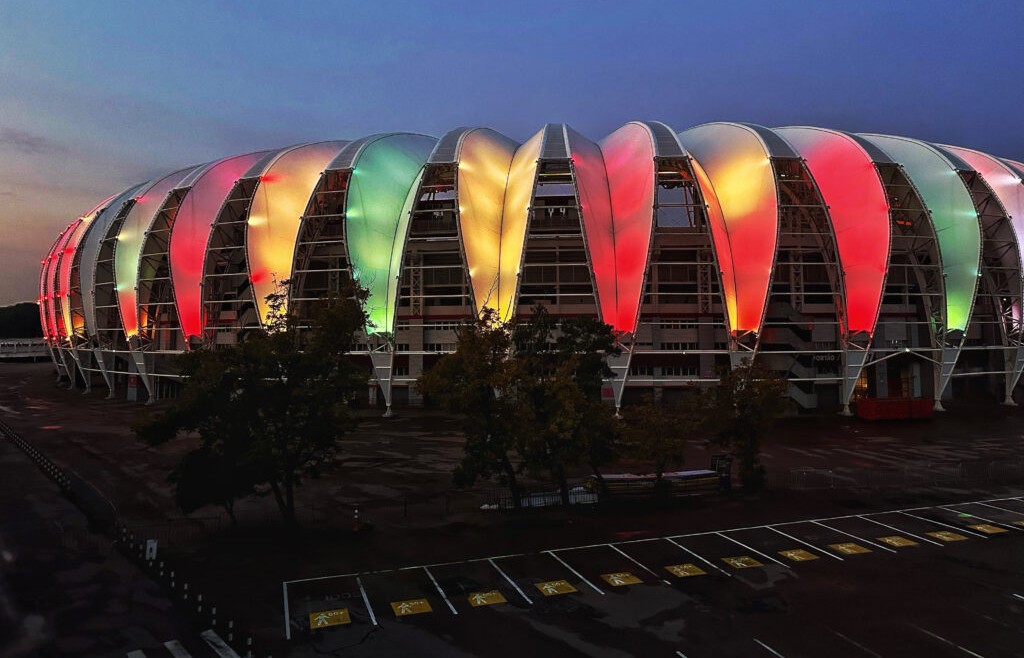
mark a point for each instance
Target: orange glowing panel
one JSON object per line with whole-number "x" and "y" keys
{"x": 276, "y": 212}
{"x": 63, "y": 287}
{"x": 629, "y": 162}
{"x": 130, "y": 239}
{"x": 859, "y": 211}
{"x": 191, "y": 234}
{"x": 518, "y": 195}
{"x": 484, "y": 159}
{"x": 734, "y": 163}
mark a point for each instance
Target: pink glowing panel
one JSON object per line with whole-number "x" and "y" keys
{"x": 191, "y": 235}
{"x": 629, "y": 162}
{"x": 276, "y": 212}
{"x": 64, "y": 275}
{"x": 484, "y": 159}
{"x": 596, "y": 209}
{"x": 53, "y": 311}
{"x": 1004, "y": 181}
{"x": 45, "y": 267}
{"x": 859, "y": 211}
{"x": 736, "y": 171}
{"x": 518, "y": 195}
{"x": 130, "y": 240}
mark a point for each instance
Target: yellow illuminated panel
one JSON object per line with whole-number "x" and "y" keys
{"x": 277, "y": 207}
{"x": 516, "y": 210}
{"x": 484, "y": 161}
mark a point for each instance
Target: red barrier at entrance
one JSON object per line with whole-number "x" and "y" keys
{"x": 894, "y": 408}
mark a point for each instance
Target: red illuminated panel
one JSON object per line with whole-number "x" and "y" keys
{"x": 45, "y": 267}
{"x": 629, "y": 162}
{"x": 54, "y": 317}
{"x": 596, "y": 209}
{"x": 191, "y": 234}
{"x": 859, "y": 211}
{"x": 63, "y": 287}
{"x": 735, "y": 170}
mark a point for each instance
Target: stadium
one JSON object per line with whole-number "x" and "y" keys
{"x": 857, "y": 266}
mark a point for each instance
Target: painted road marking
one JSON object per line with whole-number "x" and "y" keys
{"x": 742, "y": 562}
{"x": 801, "y": 541}
{"x": 685, "y": 570}
{"x": 138, "y": 653}
{"x": 477, "y": 599}
{"x": 849, "y": 548}
{"x": 440, "y": 591}
{"x": 946, "y": 535}
{"x": 856, "y": 644}
{"x": 909, "y": 534}
{"x": 1002, "y": 509}
{"x": 897, "y": 541}
{"x": 510, "y": 582}
{"x": 707, "y": 562}
{"x": 411, "y": 607}
{"x": 1020, "y": 523}
{"x": 988, "y": 528}
{"x": 620, "y": 578}
{"x": 798, "y": 555}
{"x": 176, "y": 649}
{"x": 860, "y": 539}
{"x": 752, "y": 550}
{"x": 952, "y": 644}
{"x": 944, "y": 525}
{"x": 974, "y": 516}
{"x": 631, "y": 559}
{"x": 555, "y": 587}
{"x": 769, "y": 649}
{"x": 217, "y": 644}
{"x": 576, "y": 573}
{"x": 366, "y": 601}
{"x": 326, "y": 618}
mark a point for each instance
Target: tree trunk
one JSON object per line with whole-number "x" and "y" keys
{"x": 229, "y": 506}
{"x": 289, "y": 499}
{"x": 513, "y": 483}
{"x": 563, "y": 489}
{"x": 279, "y": 499}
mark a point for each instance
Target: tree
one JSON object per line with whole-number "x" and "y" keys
{"x": 739, "y": 412}
{"x": 270, "y": 410}
{"x": 475, "y": 382}
{"x": 656, "y": 432}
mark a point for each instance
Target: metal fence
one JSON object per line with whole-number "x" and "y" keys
{"x": 914, "y": 475}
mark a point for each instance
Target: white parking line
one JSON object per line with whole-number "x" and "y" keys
{"x": 1001, "y": 509}
{"x": 952, "y": 644}
{"x": 176, "y": 649}
{"x": 1018, "y": 596}
{"x": 856, "y": 644}
{"x": 578, "y": 574}
{"x": 808, "y": 545}
{"x": 770, "y": 650}
{"x": 219, "y": 646}
{"x": 981, "y": 518}
{"x": 945, "y": 525}
{"x": 843, "y": 532}
{"x": 366, "y": 601}
{"x": 635, "y": 561}
{"x": 441, "y": 591}
{"x": 903, "y": 532}
{"x": 510, "y": 581}
{"x": 753, "y": 550}
{"x": 710, "y": 564}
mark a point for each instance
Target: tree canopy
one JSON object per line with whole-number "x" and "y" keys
{"x": 270, "y": 410}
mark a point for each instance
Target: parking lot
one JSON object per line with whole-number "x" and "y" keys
{"x": 828, "y": 586}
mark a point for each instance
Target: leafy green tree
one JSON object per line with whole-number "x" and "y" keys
{"x": 474, "y": 382}
{"x": 271, "y": 410}
{"x": 657, "y": 431}
{"x": 740, "y": 411}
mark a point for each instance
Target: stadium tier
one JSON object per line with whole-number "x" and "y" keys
{"x": 855, "y": 265}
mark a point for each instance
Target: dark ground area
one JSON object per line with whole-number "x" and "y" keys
{"x": 397, "y": 472}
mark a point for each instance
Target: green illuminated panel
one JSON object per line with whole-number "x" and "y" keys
{"x": 953, "y": 215}
{"x": 382, "y": 188}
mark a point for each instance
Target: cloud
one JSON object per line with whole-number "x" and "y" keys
{"x": 27, "y": 143}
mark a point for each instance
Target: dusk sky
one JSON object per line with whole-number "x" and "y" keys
{"x": 95, "y": 96}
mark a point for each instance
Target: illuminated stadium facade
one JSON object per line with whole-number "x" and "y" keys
{"x": 854, "y": 265}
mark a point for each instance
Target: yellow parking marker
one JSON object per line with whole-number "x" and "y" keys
{"x": 326, "y": 618}
{"x": 742, "y": 562}
{"x": 1020, "y": 523}
{"x": 685, "y": 570}
{"x": 987, "y": 528}
{"x": 897, "y": 541}
{"x": 798, "y": 555}
{"x": 553, "y": 587}
{"x": 946, "y": 535}
{"x": 477, "y": 599}
{"x": 849, "y": 548}
{"x": 411, "y": 607}
{"x": 620, "y": 578}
